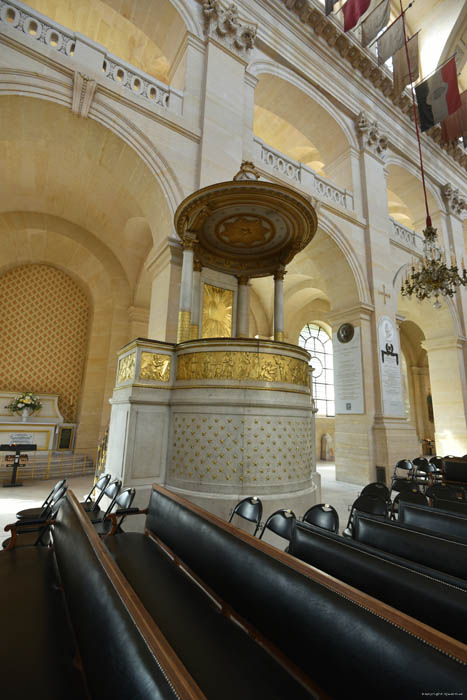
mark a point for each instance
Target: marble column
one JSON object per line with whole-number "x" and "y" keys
{"x": 279, "y": 304}
{"x": 195, "y": 331}
{"x": 243, "y": 307}
{"x": 186, "y": 290}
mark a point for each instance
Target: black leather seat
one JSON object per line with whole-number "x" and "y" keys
{"x": 323, "y": 515}
{"x": 99, "y": 489}
{"x": 407, "y": 496}
{"x": 121, "y": 508}
{"x": 417, "y": 516}
{"x": 38, "y": 513}
{"x": 316, "y": 628}
{"x": 425, "y": 548}
{"x": 220, "y": 656}
{"x": 366, "y": 503}
{"x": 111, "y": 491}
{"x": 280, "y": 522}
{"x": 36, "y": 645}
{"x": 251, "y": 509}
{"x": 430, "y": 600}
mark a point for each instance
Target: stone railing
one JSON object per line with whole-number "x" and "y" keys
{"x": 405, "y": 235}
{"x": 301, "y": 175}
{"x": 88, "y": 54}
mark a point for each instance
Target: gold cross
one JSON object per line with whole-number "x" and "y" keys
{"x": 384, "y": 293}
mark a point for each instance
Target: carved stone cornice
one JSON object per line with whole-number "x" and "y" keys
{"x": 226, "y": 25}
{"x": 362, "y": 61}
{"x": 371, "y": 137}
{"x": 455, "y": 202}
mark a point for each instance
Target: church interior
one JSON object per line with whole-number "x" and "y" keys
{"x": 233, "y": 287}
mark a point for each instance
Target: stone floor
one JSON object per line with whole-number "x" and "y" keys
{"x": 32, "y": 495}
{"x": 339, "y": 494}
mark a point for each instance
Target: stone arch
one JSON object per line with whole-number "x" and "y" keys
{"x": 37, "y": 238}
{"x": 112, "y": 120}
{"x": 265, "y": 67}
{"x": 136, "y": 33}
{"x": 405, "y": 187}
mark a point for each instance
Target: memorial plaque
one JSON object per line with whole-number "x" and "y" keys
{"x": 390, "y": 368}
{"x": 348, "y": 374}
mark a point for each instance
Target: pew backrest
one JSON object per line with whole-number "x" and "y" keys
{"x": 123, "y": 652}
{"x": 455, "y": 471}
{"x": 430, "y": 550}
{"x": 432, "y": 519}
{"x": 319, "y": 623}
{"x": 427, "y": 598}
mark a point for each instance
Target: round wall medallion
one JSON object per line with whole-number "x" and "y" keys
{"x": 345, "y": 333}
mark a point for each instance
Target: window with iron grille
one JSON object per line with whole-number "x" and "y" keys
{"x": 318, "y": 343}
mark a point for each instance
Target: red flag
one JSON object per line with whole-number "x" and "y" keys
{"x": 438, "y": 95}
{"x": 353, "y": 10}
{"x": 455, "y": 126}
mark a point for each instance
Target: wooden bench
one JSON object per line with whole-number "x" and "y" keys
{"x": 424, "y": 517}
{"x": 425, "y": 594}
{"x": 333, "y": 638}
{"x": 74, "y": 628}
{"x": 432, "y": 550}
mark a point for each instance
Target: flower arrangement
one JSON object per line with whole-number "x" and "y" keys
{"x": 25, "y": 400}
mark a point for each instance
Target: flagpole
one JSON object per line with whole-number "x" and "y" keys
{"x": 428, "y": 218}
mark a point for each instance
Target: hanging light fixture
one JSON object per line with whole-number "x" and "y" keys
{"x": 432, "y": 277}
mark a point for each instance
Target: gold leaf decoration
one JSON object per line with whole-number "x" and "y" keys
{"x": 155, "y": 367}
{"x": 126, "y": 368}
{"x": 217, "y": 312}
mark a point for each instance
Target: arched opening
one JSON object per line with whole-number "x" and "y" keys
{"x": 46, "y": 319}
{"x": 146, "y": 34}
{"x": 75, "y": 196}
{"x": 295, "y": 124}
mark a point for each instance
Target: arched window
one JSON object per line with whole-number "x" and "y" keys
{"x": 315, "y": 339}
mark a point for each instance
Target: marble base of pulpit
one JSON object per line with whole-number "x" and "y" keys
{"x": 215, "y": 420}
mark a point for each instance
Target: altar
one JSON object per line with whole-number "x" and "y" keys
{"x": 45, "y": 428}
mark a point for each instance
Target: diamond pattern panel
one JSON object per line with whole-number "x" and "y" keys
{"x": 45, "y": 318}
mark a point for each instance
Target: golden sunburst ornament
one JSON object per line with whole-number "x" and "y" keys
{"x": 217, "y": 312}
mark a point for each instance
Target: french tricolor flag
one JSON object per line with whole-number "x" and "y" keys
{"x": 438, "y": 96}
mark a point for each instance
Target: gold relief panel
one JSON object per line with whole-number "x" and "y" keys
{"x": 155, "y": 367}
{"x": 126, "y": 368}
{"x": 217, "y": 312}
{"x": 263, "y": 367}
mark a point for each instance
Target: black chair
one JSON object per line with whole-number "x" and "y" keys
{"x": 33, "y": 533}
{"x": 376, "y": 488}
{"x": 374, "y": 505}
{"x": 122, "y": 505}
{"x": 38, "y": 513}
{"x": 100, "y": 485}
{"x": 111, "y": 491}
{"x": 281, "y": 522}
{"x": 250, "y": 509}
{"x": 446, "y": 492}
{"x": 437, "y": 461}
{"x": 409, "y": 496}
{"x": 323, "y": 515}
{"x": 403, "y": 473}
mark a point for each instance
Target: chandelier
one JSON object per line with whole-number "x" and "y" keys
{"x": 431, "y": 277}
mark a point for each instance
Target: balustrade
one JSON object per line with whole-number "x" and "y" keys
{"x": 304, "y": 177}
{"x": 88, "y": 54}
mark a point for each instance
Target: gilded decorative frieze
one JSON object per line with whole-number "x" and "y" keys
{"x": 262, "y": 367}
{"x": 155, "y": 367}
{"x": 126, "y": 368}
